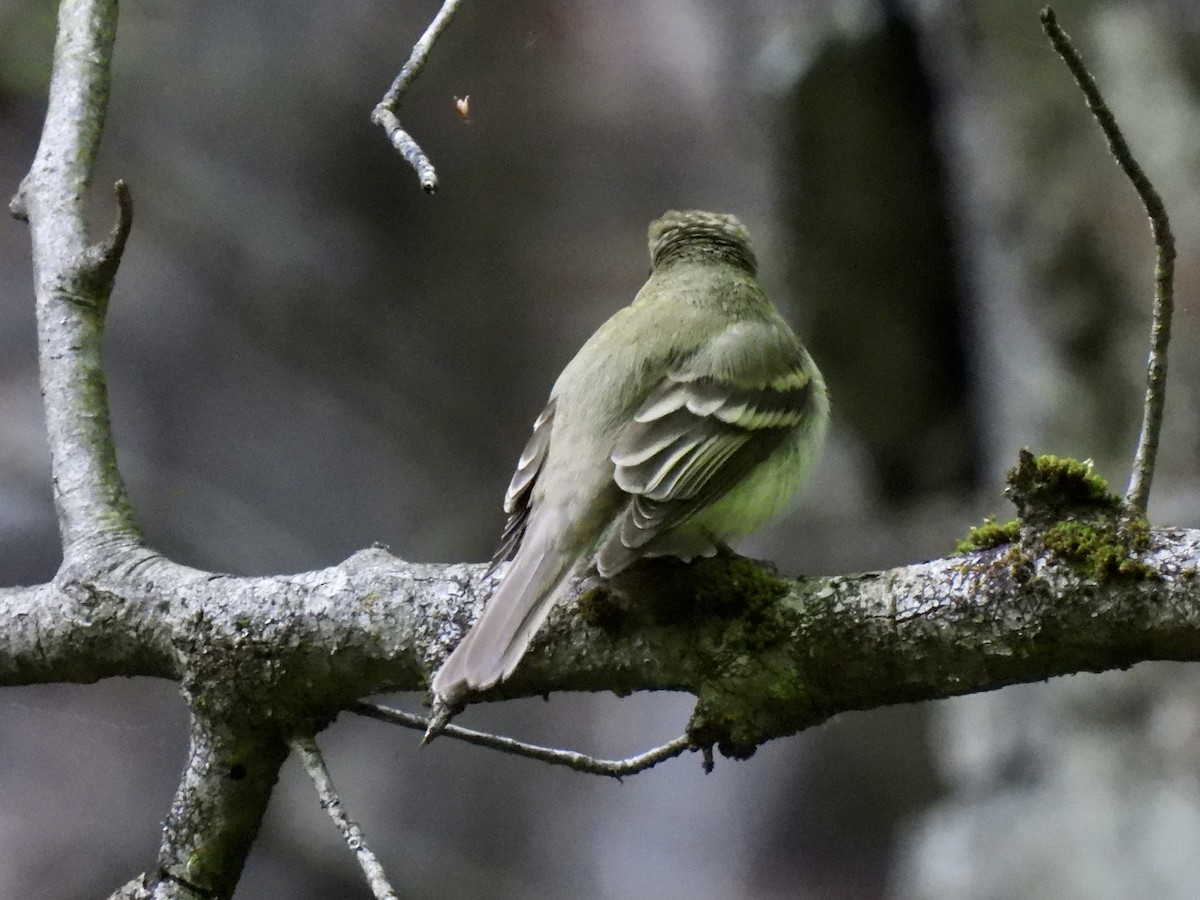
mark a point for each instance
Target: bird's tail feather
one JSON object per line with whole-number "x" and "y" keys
{"x": 495, "y": 644}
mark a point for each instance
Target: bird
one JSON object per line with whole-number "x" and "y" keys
{"x": 689, "y": 418}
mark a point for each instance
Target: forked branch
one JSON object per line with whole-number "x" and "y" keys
{"x": 386, "y": 113}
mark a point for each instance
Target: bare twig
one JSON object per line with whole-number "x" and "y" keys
{"x": 386, "y": 113}
{"x": 310, "y": 757}
{"x": 613, "y": 768}
{"x": 1138, "y": 494}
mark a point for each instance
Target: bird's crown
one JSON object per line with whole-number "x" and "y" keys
{"x": 696, "y": 233}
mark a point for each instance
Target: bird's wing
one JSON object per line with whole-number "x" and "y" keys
{"x": 700, "y": 432}
{"x": 519, "y": 496}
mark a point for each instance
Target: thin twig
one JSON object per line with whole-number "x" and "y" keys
{"x": 613, "y": 768}
{"x": 310, "y": 756}
{"x": 1138, "y": 494}
{"x": 386, "y": 113}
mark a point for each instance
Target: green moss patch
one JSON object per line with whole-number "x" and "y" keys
{"x": 666, "y": 592}
{"x": 1066, "y": 510}
{"x": 1048, "y": 488}
{"x": 1101, "y": 550}
{"x": 990, "y": 534}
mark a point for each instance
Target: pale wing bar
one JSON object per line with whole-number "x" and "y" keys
{"x": 689, "y": 443}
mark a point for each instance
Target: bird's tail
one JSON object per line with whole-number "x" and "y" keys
{"x": 500, "y": 637}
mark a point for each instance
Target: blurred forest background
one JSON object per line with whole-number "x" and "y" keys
{"x": 306, "y": 355}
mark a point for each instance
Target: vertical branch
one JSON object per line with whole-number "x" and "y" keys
{"x": 73, "y": 280}
{"x": 1138, "y": 494}
{"x": 78, "y": 103}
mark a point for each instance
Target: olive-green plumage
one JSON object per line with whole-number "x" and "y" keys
{"x": 690, "y": 417}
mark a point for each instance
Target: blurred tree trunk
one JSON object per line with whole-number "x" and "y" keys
{"x": 982, "y": 275}
{"x": 1086, "y": 787}
{"x": 867, "y": 205}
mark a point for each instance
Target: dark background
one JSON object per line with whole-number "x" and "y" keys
{"x": 306, "y": 354}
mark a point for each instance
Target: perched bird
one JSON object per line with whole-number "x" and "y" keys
{"x": 690, "y": 417}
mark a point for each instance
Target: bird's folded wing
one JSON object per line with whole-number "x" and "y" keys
{"x": 519, "y": 496}
{"x": 695, "y": 437}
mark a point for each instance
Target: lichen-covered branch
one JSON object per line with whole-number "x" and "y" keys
{"x": 765, "y": 657}
{"x": 232, "y": 767}
{"x": 216, "y": 813}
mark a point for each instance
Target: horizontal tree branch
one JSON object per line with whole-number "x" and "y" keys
{"x": 297, "y": 649}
